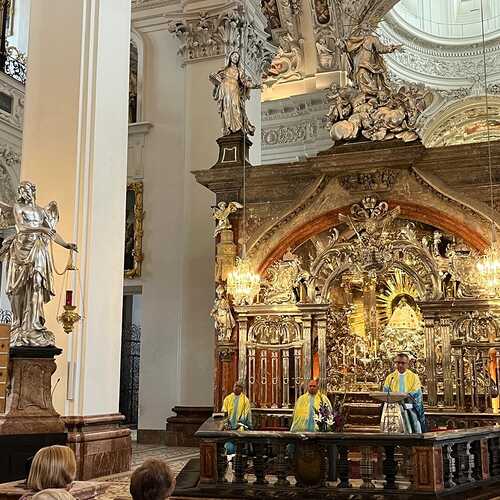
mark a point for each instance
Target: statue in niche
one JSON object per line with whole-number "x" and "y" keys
{"x": 231, "y": 91}
{"x": 30, "y": 282}
{"x": 222, "y": 316}
{"x": 326, "y": 55}
{"x": 403, "y": 332}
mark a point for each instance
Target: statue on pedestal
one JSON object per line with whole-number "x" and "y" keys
{"x": 223, "y": 316}
{"x": 370, "y": 106}
{"x": 30, "y": 282}
{"x": 231, "y": 91}
{"x": 366, "y": 66}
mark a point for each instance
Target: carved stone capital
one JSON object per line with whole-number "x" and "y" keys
{"x": 217, "y": 32}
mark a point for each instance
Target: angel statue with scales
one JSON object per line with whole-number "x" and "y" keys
{"x": 30, "y": 282}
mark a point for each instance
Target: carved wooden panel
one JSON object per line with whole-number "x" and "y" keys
{"x": 208, "y": 462}
{"x": 485, "y": 459}
{"x": 428, "y": 469}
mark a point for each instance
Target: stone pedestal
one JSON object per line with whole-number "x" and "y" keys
{"x": 182, "y": 427}
{"x": 102, "y": 447}
{"x": 30, "y": 421}
{"x": 29, "y": 408}
{"x": 233, "y": 150}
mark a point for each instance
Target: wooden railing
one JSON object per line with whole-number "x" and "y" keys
{"x": 280, "y": 464}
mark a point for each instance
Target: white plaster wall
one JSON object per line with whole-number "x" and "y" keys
{"x": 161, "y": 280}
{"x": 202, "y": 129}
{"x": 74, "y": 149}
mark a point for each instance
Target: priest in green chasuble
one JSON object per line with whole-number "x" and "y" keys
{"x": 404, "y": 380}
{"x": 237, "y": 408}
{"x": 308, "y": 407}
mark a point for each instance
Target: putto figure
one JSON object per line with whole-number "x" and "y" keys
{"x": 221, "y": 213}
{"x": 30, "y": 282}
{"x": 231, "y": 91}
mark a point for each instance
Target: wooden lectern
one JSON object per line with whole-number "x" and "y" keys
{"x": 393, "y": 416}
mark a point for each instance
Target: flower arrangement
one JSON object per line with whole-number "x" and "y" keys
{"x": 330, "y": 418}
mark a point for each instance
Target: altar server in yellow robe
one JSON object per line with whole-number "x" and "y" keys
{"x": 307, "y": 407}
{"x": 404, "y": 380}
{"x": 237, "y": 408}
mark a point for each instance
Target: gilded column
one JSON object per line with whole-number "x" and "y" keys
{"x": 430, "y": 361}
{"x": 307, "y": 355}
{"x": 321, "y": 322}
{"x": 445, "y": 331}
{"x": 242, "y": 354}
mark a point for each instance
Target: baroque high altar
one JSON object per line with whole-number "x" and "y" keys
{"x": 364, "y": 251}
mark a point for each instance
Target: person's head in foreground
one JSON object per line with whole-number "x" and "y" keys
{"x": 312, "y": 387}
{"x": 402, "y": 361}
{"x": 237, "y": 388}
{"x": 52, "y": 467}
{"x": 53, "y": 494}
{"x": 153, "y": 480}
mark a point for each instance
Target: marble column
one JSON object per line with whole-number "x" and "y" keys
{"x": 75, "y": 150}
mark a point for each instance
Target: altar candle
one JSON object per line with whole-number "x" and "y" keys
{"x": 69, "y": 297}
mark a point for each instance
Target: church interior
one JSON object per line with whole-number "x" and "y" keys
{"x": 293, "y": 209}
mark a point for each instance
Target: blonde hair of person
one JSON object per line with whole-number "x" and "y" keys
{"x": 53, "y": 494}
{"x": 52, "y": 467}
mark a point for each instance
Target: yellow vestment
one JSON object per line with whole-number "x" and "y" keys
{"x": 406, "y": 382}
{"x": 240, "y": 413}
{"x": 305, "y": 409}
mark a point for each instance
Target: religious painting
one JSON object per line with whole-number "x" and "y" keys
{"x": 9, "y": 28}
{"x": 133, "y": 230}
{"x": 322, "y": 11}
{"x": 132, "y": 83}
{"x": 270, "y": 10}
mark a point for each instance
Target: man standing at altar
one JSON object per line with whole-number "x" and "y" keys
{"x": 404, "y": 380}
{"x": 310, "y": 405}
{"x": 237, "y": 408}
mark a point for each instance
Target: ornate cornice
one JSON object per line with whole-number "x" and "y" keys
{"x": 444, "y": 65}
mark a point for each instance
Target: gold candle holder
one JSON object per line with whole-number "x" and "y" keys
{"x": 68, "y": 318}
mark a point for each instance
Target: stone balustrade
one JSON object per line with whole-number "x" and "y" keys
{"x": 284, "y": 464}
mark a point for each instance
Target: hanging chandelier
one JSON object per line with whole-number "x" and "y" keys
{"x": 243, "y": 285}
{"x": 488, "y": 265}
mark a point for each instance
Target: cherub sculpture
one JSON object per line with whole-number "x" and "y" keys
{"x": 231, "y": 91}
{"x": 30, "y": 282}
{"x": 221, "y": 213}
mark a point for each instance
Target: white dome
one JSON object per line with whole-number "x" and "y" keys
{"x": 448, "y": 20}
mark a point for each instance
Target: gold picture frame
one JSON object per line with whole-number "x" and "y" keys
{"x": 134, "y": 230}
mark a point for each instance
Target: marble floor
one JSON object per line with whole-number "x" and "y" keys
{"x": 176, "y": 457}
